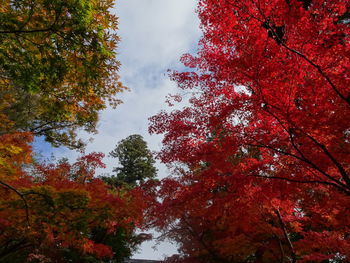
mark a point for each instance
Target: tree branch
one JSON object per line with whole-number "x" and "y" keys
{"x": 21, "y": 196}
{"x": 290, "y": 245}
{"x": 318, "y": 67}
{"x": 341, "y": 169}
{"x": 302, "y": 157}
{"x": 302, "y": 181}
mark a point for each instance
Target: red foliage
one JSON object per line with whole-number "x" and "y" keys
{"x": 263, "y": 147}
{"x": 53, "y": 207}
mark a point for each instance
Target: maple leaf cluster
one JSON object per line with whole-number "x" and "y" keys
{"x": 260, "y": 154}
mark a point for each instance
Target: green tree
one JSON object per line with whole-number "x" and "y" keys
{"x": 136, "y": 163}
{"x": 57, "y": 66}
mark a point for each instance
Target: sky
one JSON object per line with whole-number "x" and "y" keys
{"x": 154, "y": 34}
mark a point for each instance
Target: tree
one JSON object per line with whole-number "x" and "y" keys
{"x": 60, "y": 212}
{"x": 136, "y": 162}
{"x": 57, "y": 66}
{"x": 57, "y": 72}
{"x": 214, "y": 220}
{"x": 271, "y": 102}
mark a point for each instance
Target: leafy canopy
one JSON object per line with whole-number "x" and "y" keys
{"x": 57, "y": 66}
{"x": 261, "y": 152}
{"x": 60, "y": 212}
{"x": 58, "y": 70}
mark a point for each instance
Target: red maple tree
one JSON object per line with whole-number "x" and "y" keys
{"x": 267, "y": 127}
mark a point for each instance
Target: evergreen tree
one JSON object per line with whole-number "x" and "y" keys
{"x": 136, "y": 163}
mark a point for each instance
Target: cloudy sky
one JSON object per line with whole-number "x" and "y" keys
{"x": 154, "y": 34}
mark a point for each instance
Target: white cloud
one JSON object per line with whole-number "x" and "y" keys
{"x": 156, "y": 32}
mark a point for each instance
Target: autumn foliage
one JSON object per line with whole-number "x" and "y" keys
{"x": 58, "y": 67}
{"x": 58, "y": 70}
{"x": 261, "y": 153}
{"x": 60, "y": 211}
